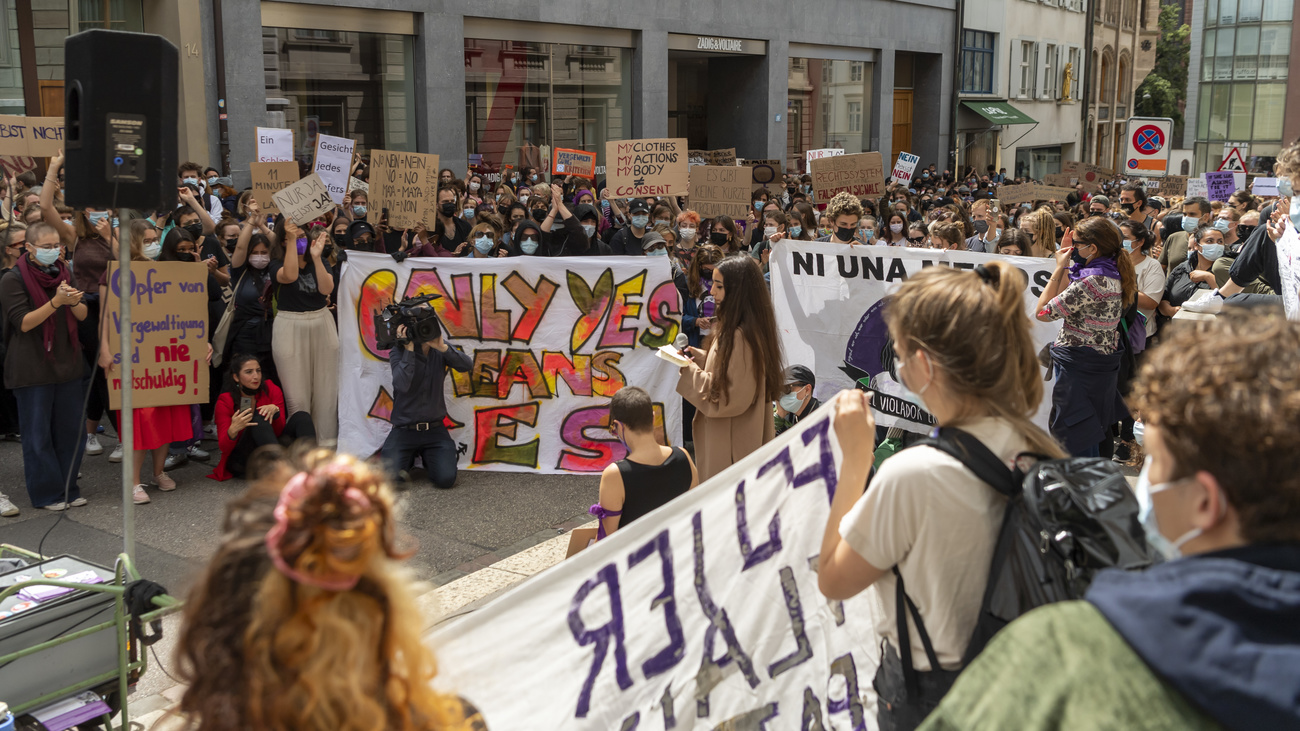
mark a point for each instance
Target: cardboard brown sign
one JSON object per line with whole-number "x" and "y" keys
{"x": 638, "y": 168}
{"x": 404, "y": 183}
{"x": 713, "y": 157}
{"x": 1030, "y": 192}
{"x": 1089, "y": 176}
{"x": 30, "y": 136}
{"x": 304, "y": 201}
{"x": 580, "y": 539}
{"x": 15, "y": 165}
{"x": 270, "y": 178}
{"x": 169, "y": 320}
{"x": 765, "y": 173}
{"x": 861, "y": 174}
{"x": 1061, "y": 180}
{"x": 720, "y": 190}
{"x": 1167, "y": 186}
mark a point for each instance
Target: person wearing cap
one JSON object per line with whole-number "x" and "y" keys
{"x": 627, "y": 242}
{"x": 589, "y": 218}
{"x": 361, "y": 236}
{"x": 653, "y": 244}
{"x": 798, "y": 401}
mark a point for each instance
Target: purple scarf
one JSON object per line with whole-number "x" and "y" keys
{"x": 39, "y": 284}
{"x": 1105, "y": 266}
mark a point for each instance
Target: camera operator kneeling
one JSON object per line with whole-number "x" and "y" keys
{"x": 250, "y": 414}
{"x": 419, "y": 407}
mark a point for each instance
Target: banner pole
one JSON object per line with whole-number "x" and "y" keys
{"x": 126, "y": 420}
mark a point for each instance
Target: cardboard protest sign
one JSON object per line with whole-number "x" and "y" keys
{"x": 1220, "y": 185}
{"x": 703, "y": 615}
{"x": 1062, "y": 180}
{"x": 904, "y": 167}
{"x": 334, "y": 164}
{"x": 1168, "y": 186}
{"x": 551, "y": 339}
{"x": 270, "y": 178}
{"x": 1288, "y": 271}
{"x": 861, "y": 174}
{"x": 358, "y": 184}
{"x": 647, "y": 167}
{"x": 274, "y": 144}
{"x": 1030, "y": 192}
{"x": 1089, "y": 176}
{"x": 30, "y": 136}
{"x": 824, "y": 152}
{"x": 719, "y": 190}
{"x": 766, "y": 173}
{"x": 15, "y": 165}
{"x": 404, "y": 183}
{"x": 712, "y": 157}
{"x": 304, "y": 201}
{"x": 574, "y": 162}
{"x": 169, "y": 333}
{"x": 1196, "y": 187}
{"x": 1264, "y": 186}
{"x": 830, "y": 301}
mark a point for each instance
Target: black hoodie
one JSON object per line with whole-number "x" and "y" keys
{"x": 527, "y": 226}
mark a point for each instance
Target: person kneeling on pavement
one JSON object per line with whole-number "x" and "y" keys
{"x": 798, "y": 401}
{"x": 1209, "y": 639}
{"x": 249, "y": 415}
{"x": 419, "y": 406}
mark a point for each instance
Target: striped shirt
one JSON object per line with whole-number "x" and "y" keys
{"x": 1091, "y": 309}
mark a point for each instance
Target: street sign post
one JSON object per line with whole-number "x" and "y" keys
{"x": 1149, "y": 143}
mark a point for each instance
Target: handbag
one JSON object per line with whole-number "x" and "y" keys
{"x": 222, "y": 333}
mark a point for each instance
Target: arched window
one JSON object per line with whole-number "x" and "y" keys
{"x": 1107, "y": 79}
{"x": 1125, "y": 82}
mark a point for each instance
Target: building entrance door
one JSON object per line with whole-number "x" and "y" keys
{"x": 902, "y": 123}
{"x": 688, "y": 85}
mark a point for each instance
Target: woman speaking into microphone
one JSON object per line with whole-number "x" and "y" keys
{"x": 733, "y": 383}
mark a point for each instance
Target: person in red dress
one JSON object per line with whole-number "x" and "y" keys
{"x": 241, "y": 429}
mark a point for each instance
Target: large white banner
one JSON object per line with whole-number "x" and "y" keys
{"x": 830, "y": 312}
{"x": 551, "y": 341}
{"x": 701, "y": 614}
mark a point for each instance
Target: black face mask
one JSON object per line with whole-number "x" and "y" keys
{"x": 447, "y": 209}
{"x": 194, "y": 229}
{"x": 1077, "y": 258}
{"x": 1244, "y": 232}
{"x": 186, "y": 256}
{"x": 1126, "y": 207}
{"x": 538, "y": 215}
{"x": 845, "y": 233}
{"x": 718, "y": 238}
{"x": 230, "y": 243}
{"x": 341, "y": 240}
{"x": 1060, "y": 234}
{"x": 363, "y": 244}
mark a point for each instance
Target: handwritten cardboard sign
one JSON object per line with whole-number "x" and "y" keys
{"x": 579, "y": 163}
{"x": 1196, "y": 187}
{"x": 720, "y": 190}
{"x": 1167, "y": 186}
{"x": 169, "y": 332}
{"x": 1030, "y": 192}
{"x": 713, "y": 157}
{"x": 30, "y": 136}
{"x": 358, "y": 184}
{"x": 404, "y": 183}
{"x": 765, "y": 173}
{"x": 334, "y": 164}
{"x": 270, "y": 178}
{"x": 1061, "y": 180}
{"x": 640, "y": 168}
{"x": 824, "y": 152}
{"x": 1220, "y": 185}
{"x": 15, "y": 165}
{"x": 304, "y": 201}
{"x": 1089, "y": 176}
{"x": 861, "y": 174}
{"x": 274, "y": 144}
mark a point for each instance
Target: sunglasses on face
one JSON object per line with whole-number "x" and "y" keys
{"x": 917, "y": 240}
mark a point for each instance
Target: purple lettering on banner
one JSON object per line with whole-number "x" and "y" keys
{"x": 711, "y": 671}
{"x": 823, "y": 470}
{"x": 812, "y": 712}
{"x": 803, "y": 648}
{"x": 844, "y": 666}
{"x": 601, "y": 635}
{"x": 755, "y": 556}
{"x": 667, "y": 658}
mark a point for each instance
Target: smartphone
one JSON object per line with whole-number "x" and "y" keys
{"x": 245, "y": 403}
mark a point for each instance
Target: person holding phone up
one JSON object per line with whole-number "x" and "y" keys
{"x": 249, "y": 415}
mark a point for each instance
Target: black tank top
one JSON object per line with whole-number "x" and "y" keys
{"x": 646, "y": 487}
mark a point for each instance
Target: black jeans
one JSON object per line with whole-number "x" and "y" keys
{"x": 434, "y": 446}
{"x": 260, "y": 434}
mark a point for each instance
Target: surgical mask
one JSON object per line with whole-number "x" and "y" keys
{"x": 845, "y": 233}
{"x": 212, "y": 182}
{"x": 791, "y": 402}
{"x": 795, "y": 230}
{"x": 528, "y": 246}
{"x": 359, "y": 210}
{"x": 1128, "y": 245}
{"x": 896, "y": 228}
{"x": 758, "y": 205}
{"x": 533, "y": 178}
{"x": 95, "y": 218}
{"x": 688, "y": 233}
{"x": 259, "y": 261}
{"x": 718, "y": 238}
{"x": 47, "y": 257}
{"x": 190, "y": 181}
{"x": 769, "y": 231}
{"x": 1212, "y": 251}
{"x": 483, "y": 244}
{"x": 231, "y": 242}
{"x": 1143, "y": 491}
{"x": 915, "y": 397}
{"x": 151, "y": 251}
{"x": 664, "y": 223}
{"x": 1221, "y": 225}
{"x": 981, "y": 227}
{"x": 657, "y": 252}
{"x": 640, "y": 221}
{"x": 589, "y": 229}
{"x": 1190, "y": 224}
{"x": 474, "y": 186}
{"x": 523, "y": 198}
{"x": 468, "y": 213}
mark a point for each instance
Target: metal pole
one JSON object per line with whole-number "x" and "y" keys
{"x": 126, "y": 422}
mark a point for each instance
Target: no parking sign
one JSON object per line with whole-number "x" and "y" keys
{"x": 1149, "y": 142}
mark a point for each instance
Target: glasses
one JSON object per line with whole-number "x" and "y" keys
{"x": 917, "y": 240}
{"x": 146, "y": 242}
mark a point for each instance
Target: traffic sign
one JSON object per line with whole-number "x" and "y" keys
{"x": 1149, "y": 143}
{"x": 1233, "y": 162}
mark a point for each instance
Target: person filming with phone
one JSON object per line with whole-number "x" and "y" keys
{"x": 419, "y": 358}
{"x": 251, "y": 414}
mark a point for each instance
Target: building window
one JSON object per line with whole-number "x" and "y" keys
{"x": 1107, "y": 82}
{"x": 1277, "y": 10}
{"x": 1076, "y": 73}
{"x": 110, "y": 14}
{"x": 1130, "y": 14}
{"x": 855, "y": 71}
{"x": 1049, "y": 71}
{"x": 833, "y": 112}
{"x": 1125, "y": 79}
{"x": 826, "y": 73}
{"x": 1028, "y": 69}
{"x": 855, "y": 116}
{"x": 1274, "y": 50}
{"x": 977, "y": 62}
{"x": 1112, "y": 12}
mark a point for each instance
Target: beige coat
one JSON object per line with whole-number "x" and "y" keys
{"x": 728, "y": 430}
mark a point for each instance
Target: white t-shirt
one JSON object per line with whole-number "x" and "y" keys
{"x": 1151, "y": 282}
{"x": 930, "y": 516}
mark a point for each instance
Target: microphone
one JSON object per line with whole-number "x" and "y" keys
{"x": 682, "y": 342}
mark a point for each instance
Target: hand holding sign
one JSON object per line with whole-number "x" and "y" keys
{"x": 304, "y": 201}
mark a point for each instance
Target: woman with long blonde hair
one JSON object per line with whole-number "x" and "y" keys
{"x": 304, "y": 619}
{"x": 1041, "y": 227}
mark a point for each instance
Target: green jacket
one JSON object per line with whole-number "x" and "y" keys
{"x": 1063, "y": 666}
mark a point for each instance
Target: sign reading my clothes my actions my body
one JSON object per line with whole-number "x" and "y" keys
{"x": 639, "y": 168}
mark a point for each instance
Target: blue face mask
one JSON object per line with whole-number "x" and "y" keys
{"x": 1190, "y": 224}
{"x": 1212, "y": 251}
{"x": 640, "y": 221}
{"x": 47, "y": 257}
{"x": 190, "y": 181}
{"x": 795, "y": 231}
{"x": 95, "y": 218}
{"x": 758, "y": 205}
{"x": 657, "y": 252}
{"x": 528, "y": 246}
{"x": 359, "y": 210}
{"x": 1221, "y": 226}
{"x": 1143, "y": 491}
{"x": 483, "y": 244}
{"x": 1128, "y": 245}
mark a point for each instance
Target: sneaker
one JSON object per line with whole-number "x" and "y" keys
{"x": 7, "y": 508}
{"x": 1122, "y": 453}
{"x": 210, "y": 432}
{"x": 116, "y": 456}
{"x": 80, "y": 502}
{"x": 58, "y": 507}
{"x": 139, "y": 496}
{"x": 164, "y": 482}
{"x": 197, "y": 454}
{"x": 174, "y": 461}
{"x": 93, "y": 447}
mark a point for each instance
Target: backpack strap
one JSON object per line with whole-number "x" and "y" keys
{"x": 903, "y": 605}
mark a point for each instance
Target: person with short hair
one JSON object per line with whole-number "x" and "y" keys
{"x": 650, "y": 475}
{"x": 1209, "y": 639}
{"x": 798, "y": 401}
{"x": 1196, "y": 213}
{"x": 842, "y": 215}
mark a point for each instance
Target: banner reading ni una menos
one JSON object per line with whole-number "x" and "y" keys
{"x": 551, "y": 341}
{"x": 830, "y": 312}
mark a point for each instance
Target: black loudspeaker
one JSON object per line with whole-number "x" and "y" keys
{"x": 120, "y": 97}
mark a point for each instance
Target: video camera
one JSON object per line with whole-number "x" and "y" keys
{"x": 421, "y": 323}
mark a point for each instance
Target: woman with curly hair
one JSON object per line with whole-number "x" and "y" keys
{"x": 304, "y": 619}
{"x": 842, "y": 214}
{"x": 1041, "y": 227}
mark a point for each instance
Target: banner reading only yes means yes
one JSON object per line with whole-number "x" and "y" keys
{"x": 551, "y": 341}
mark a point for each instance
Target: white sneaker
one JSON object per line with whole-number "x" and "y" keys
{"x": 7, "y": 508}
{"x": 210, "y": 432}
{"x": 93, "y": 447}
{"x": 80, "y": 502}
{"x": 197, "y": 453}
{"x": 58, "y": 507}
{"x": 116, "y": 456}
{"x": 139, "y": 496}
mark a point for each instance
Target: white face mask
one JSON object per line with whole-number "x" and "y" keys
{"x": 769, "y": 231}
{"x": 896, "y": 228}
{"x": 474, "y": 186}
{"x": 688, "y": 233}
{"x": 915, "y": 397}
{"x": 259, "y": 261}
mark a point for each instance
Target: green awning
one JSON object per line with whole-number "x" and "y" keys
{"x": 999, "y": 112}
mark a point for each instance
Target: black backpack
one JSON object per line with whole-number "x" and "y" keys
{"x": 1065, "y": 520}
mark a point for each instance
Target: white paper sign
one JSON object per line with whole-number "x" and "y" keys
{"x": 334, "y": 163}
{"x": 904, "y": 167}
{"x": 1197, "y": 186}
{"x": 1264, "y": 186}
{"x": 1288, "y": 270}
{"x": 274, "y": 145}
{"x": 825, "y": 152}
{"x": 829, "y": 301}
{"x": 704, "y": 614}
{"x": 551, "y": 339}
